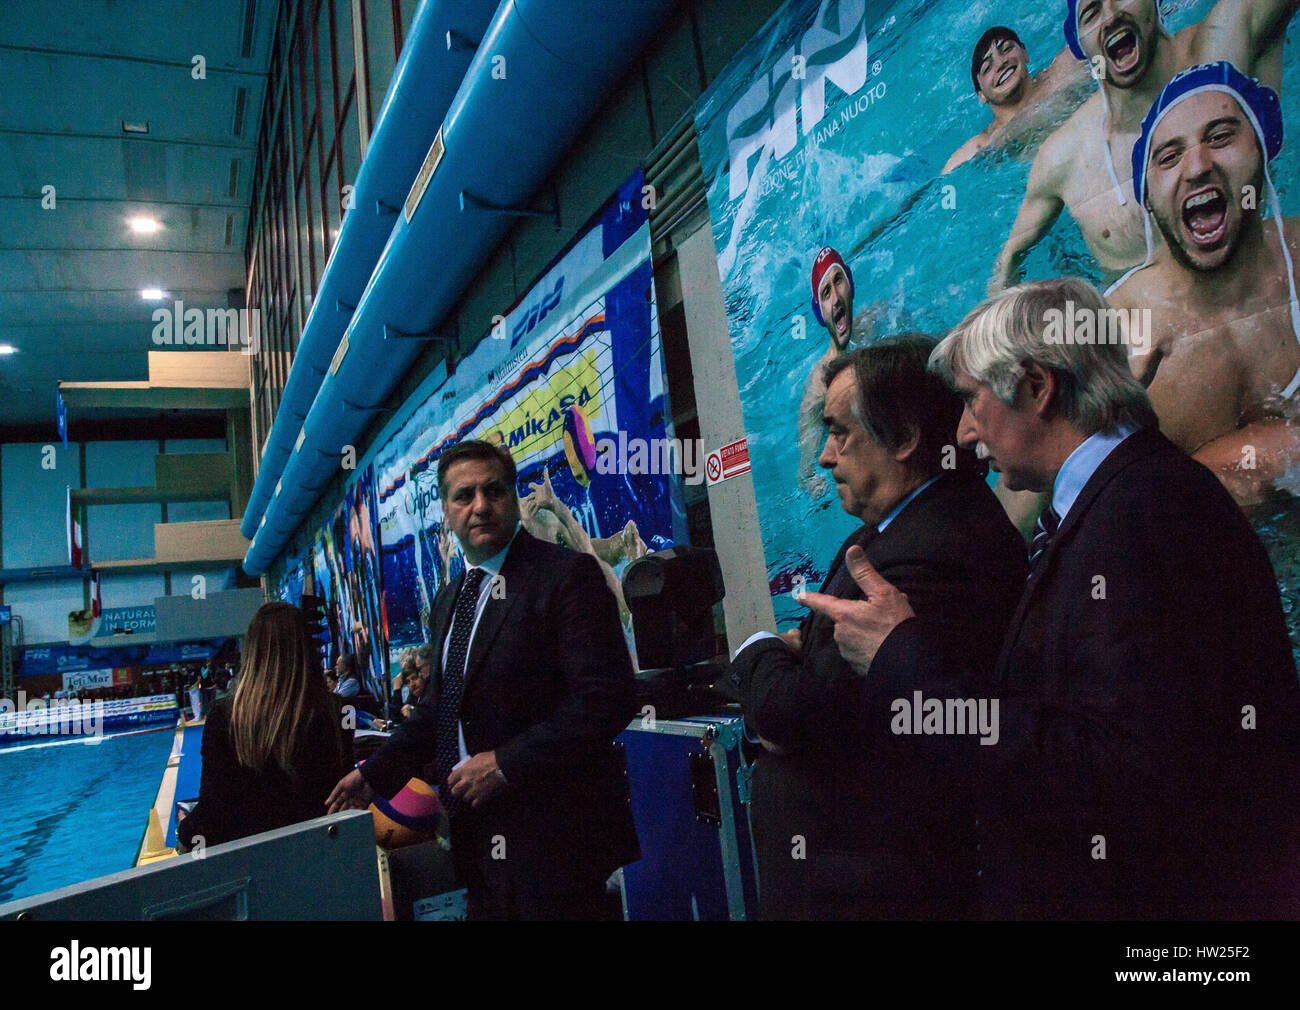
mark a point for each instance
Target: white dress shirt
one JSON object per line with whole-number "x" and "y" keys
{"x": 491, "y": 568}
{"x": 1081, "y": 464}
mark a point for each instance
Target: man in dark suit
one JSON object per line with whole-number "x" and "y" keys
{"x": 1148, "y": 759}
{"x": 531, "y": 682}
{"x": 853, "y": 816}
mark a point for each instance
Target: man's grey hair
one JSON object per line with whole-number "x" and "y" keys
{"x": 406, "y": 658}
{"x": 1096, "y": 391}
{"x": 424, "y": 653}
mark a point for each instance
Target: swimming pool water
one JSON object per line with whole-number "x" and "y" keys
{"x": 73, "y": 810}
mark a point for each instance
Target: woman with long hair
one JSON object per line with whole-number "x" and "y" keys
{"x": 272, "y": 750}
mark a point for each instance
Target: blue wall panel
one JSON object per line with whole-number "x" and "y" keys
{"x": 130, "y": 590}
{"x": 120, "y": 464}
{"x": 197, "y": 511}
{"x": 194, "y": 445}
{"x": 121, "y": 532}
{"x": 44, "y": 605}
{"x": 34, "y": 503}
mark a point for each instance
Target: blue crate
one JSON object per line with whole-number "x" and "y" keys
{"x": 697, "y": 851}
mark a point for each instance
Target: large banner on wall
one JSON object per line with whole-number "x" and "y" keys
{"x": 83, "y": 625}
{"x": 290, "y": 586}
{"x": 575, "y": 367}
{"x": 906, "y": 138}
{"x": 345, "y": 571}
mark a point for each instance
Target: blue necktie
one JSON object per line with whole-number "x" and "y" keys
{"x": 447, "y": 751}
{"x": 1044, "y": 530}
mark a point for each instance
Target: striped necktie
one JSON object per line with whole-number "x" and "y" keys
{"x": 1044, "y": 530}
{"x": 452, "y": 686}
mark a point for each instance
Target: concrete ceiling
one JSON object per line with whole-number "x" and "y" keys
{"x": 71, "y": 72}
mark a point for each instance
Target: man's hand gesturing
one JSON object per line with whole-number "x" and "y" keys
{"x": 861, "y": 626}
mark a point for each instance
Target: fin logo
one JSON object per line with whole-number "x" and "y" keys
{"x": 537, "y": 313}
{"x": 764, "y": 117}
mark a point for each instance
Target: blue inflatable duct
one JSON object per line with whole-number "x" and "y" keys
{"x": 538, "y": 75}
{"x": 438, "y": 49}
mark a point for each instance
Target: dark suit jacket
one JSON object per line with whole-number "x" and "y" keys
{"x": 548, "y": 685}
{"x": 1149, "y": 624}
{"x": 235, "y": 801}
{"x": 395, "y": 705}
{"x": 887, "y": 819}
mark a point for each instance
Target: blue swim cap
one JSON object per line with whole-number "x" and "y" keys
{"x": 1072, "y": 29}
{"x": 1259, "y": 102}
{"x": 1264, "y": 111}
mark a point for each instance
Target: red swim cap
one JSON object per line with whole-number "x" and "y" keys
{"x": 826, "y": 259}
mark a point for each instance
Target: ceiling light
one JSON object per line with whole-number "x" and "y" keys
{"x": 145, "y": 225}
{"x": 8, "y": 349}
{"x": 151, "y": 294}
{"x": 135, "y": 127}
